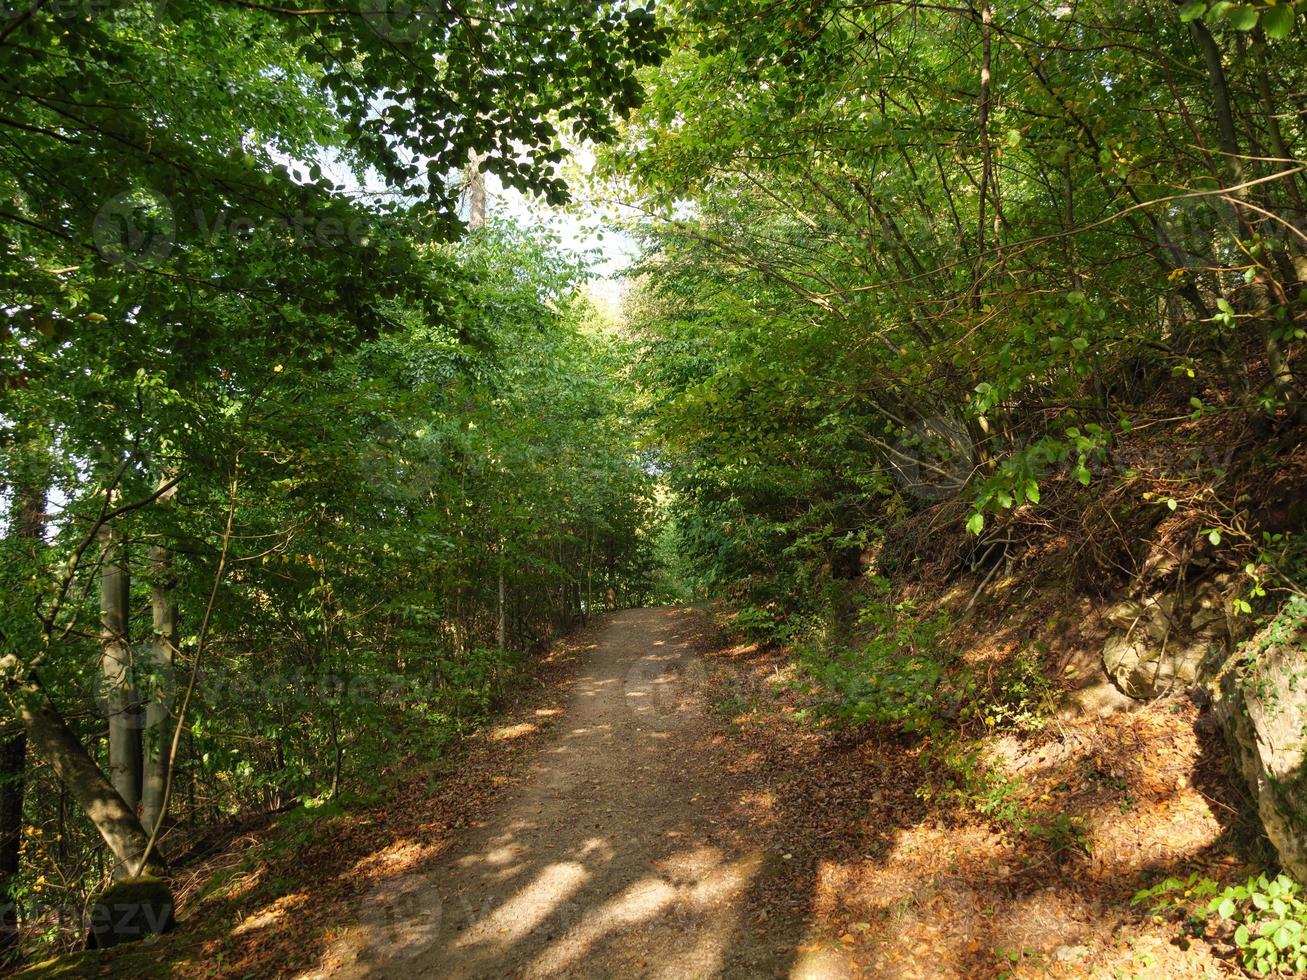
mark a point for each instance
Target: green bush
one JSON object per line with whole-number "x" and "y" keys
{"x": 475, "y": 679}
{"x": 1269, "y": 917}
{"x": 892, "y": 678}
{"x": 1019, "y": 697}
{"x": 760, "y": 623}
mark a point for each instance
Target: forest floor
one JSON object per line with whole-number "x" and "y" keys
{"x": 653, "y": 807}
{"x": 682, "y": 822}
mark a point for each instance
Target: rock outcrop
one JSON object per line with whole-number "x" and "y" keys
{"x": 1167, "y": 642}
{"x": 1261, "y": 702}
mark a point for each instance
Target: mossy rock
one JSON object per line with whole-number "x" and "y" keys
{"x": 130, "y": 910}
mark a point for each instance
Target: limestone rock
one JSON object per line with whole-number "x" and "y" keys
{"x": 1261, "y": 703}
{"x": 1167, "y": 642}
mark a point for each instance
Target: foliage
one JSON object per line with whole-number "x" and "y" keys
{"x": 1019, "y": 697}
{"x": 379, "y": 502}
{"x": 1268, "y": 916}
{"x": 893, "y": 678}
{"x": 898, "y": 255}
{"x": 349, "y": 454}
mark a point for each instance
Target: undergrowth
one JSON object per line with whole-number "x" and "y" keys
{"x": 900, "y": 672}
{"x": 1265, "y": 918}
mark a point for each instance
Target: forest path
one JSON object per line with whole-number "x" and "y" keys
{"x": 610, "y": 859}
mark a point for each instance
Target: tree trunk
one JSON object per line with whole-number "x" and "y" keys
{"x": 1281, "y": 372}
{"x": 501, "y": 632}
{"x": 476, "y": 194}
{"x": 158, "y": 708}
{"x": 121, "y": 706}
{"x": 13, "y": 769}
{"x": 28, "y": 524}
{"x": 54, "y": 741}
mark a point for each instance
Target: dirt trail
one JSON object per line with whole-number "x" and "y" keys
{"x": 610, "y": 860}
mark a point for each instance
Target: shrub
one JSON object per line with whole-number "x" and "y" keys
{"x": 1268, "y": 916}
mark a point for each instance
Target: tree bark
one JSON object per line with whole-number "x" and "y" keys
{"x": 476, "y": 194}
{"x": 55, "y": 742}
{"x": 1281, "y": 373}
{"x": 28, "y": 524}
{"x": 13, "y": 770}
{"x": 120, "y": 702}
{"x": 987, "y": 158}
{"x": 162, "y": 653}
{"x": 501, "y": 624}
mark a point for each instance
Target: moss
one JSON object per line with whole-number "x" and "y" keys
{"x": 130, "y": 910}
{"x": 139, "y": 962}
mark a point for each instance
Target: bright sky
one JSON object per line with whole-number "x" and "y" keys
{"x": 581, "y": 228}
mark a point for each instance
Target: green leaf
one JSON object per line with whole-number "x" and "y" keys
{"x": 1226, "y": 908}
{"x": 1277, "y": 22}
{"x": 1214, "y": 536}
{"x": 1193, "y": 10}
{"x": 976, "y": 523}
{"x": 1242, "y": 17}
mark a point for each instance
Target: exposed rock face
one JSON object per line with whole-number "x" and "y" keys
{"x": 1167, "y": 642}
{"x": 1261, "y": 702}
